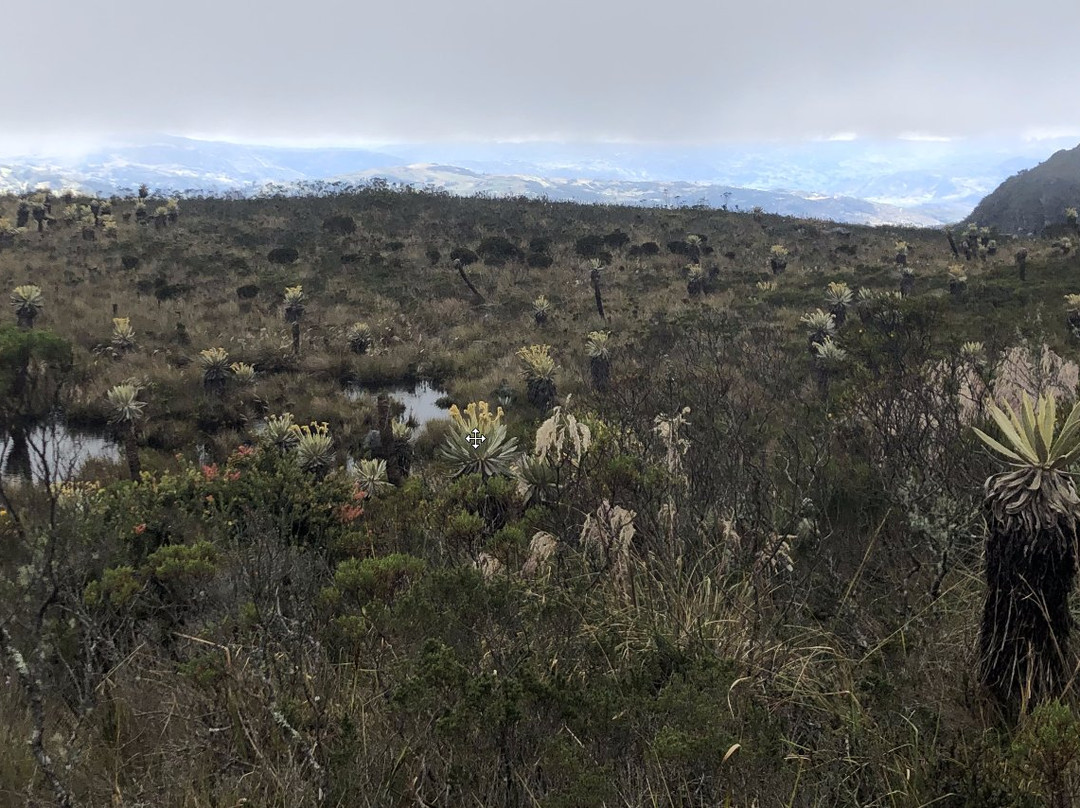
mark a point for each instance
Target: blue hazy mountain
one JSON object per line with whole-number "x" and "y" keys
{"x": 902, "y": 181}
{"x": 465, "y": 182}
{"x": 169, "y": 163}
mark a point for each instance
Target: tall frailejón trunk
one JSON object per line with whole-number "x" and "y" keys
{"x": 1024, "y": 650}
{"x": 595, "y": 277}
{"x": 131, "y": 453}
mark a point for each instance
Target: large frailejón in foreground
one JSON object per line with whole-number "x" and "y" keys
{"x": 1032, "y": 514}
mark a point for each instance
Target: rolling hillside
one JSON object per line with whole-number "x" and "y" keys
{"x": 1032, "y": 200}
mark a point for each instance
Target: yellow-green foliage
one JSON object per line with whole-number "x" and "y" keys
{"x": 118, "y": 587}
{"x": 314, "y": 445}
{"x": 243, "y": 372}
{"x": 181, "y": 562}
{"x": 358, "y": 582}
{"x": 537, "y": 361}
{"x": 123, "y": 336}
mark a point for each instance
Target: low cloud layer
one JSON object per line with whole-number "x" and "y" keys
{"x": 418, "y": 70}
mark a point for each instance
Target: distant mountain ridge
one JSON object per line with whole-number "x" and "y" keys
{"x": 177, "y": 164}
{"x": 1034, "y": 199}
{"x": 652, "y": 194}
{"x": 887, "y": 182}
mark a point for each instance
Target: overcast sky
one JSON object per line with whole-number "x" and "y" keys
{"x": 416, "y": 70}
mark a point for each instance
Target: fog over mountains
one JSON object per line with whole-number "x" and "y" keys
{"x": 913, "y": 181}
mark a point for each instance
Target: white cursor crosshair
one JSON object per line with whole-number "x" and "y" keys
{"x": 475, "y": 438}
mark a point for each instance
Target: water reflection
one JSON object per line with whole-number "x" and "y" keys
{"x": 419, "y": 401}
{"x": 52, "y": 451}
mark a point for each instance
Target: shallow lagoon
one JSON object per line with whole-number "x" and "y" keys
{"x": 420, "y": 402}
{"x": 53, "y": 451}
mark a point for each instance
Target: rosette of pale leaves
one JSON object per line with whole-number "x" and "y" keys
{"x": 537, "y": 480}
{"x": 215, "y": 364}
{"x": 371, "y": 476}
{"x": 243, "y": 372}
{"x": 79, "y": 214}
{"x": 359, "y": 337}
{"x": 1030, "y": 551}
{"x": 123, "y": 336}
{"x": 1039, "y": 490}
{"x": 28, "y": 302}
{"x": 537, "y": 363}
{"x": 294, "y": 303}
{"x": 957, "y": 275}
{"x": 973, "y": 351}
{"x": 495, "y": 453}
{"x": 819, "y": 325}
{"x": 279, "y": 432}
{"x": 865, "y": 298}
{"x": 538, "y": 369}
{"x": 695, "y": 276}
{"x": 541, "y": 309}
{"x": 828, "y": 353}
{"x": 314, "y": 446}
{"x": 598, "y": 345}
{"x": 887, "y": 310}
{"x": 125, "y": 403}
{"x": 838, "y": 295}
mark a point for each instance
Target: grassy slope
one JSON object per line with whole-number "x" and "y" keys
{"x": 843, "y": 681}
{"x": 422, "y": 312}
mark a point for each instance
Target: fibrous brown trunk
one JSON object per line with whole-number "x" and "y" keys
{"x": 1024, "y": 655}
{"x": 461, "y": 271}
{"x": 382, "y": 414}
{"x": 131, "y": 453}
{"x": 400, "y": 461}
{"x": 952, "y": 243}
{"x": 600, "y": 370}
{"x": 595, "y": 274}
{"x": 541, "y": 393}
